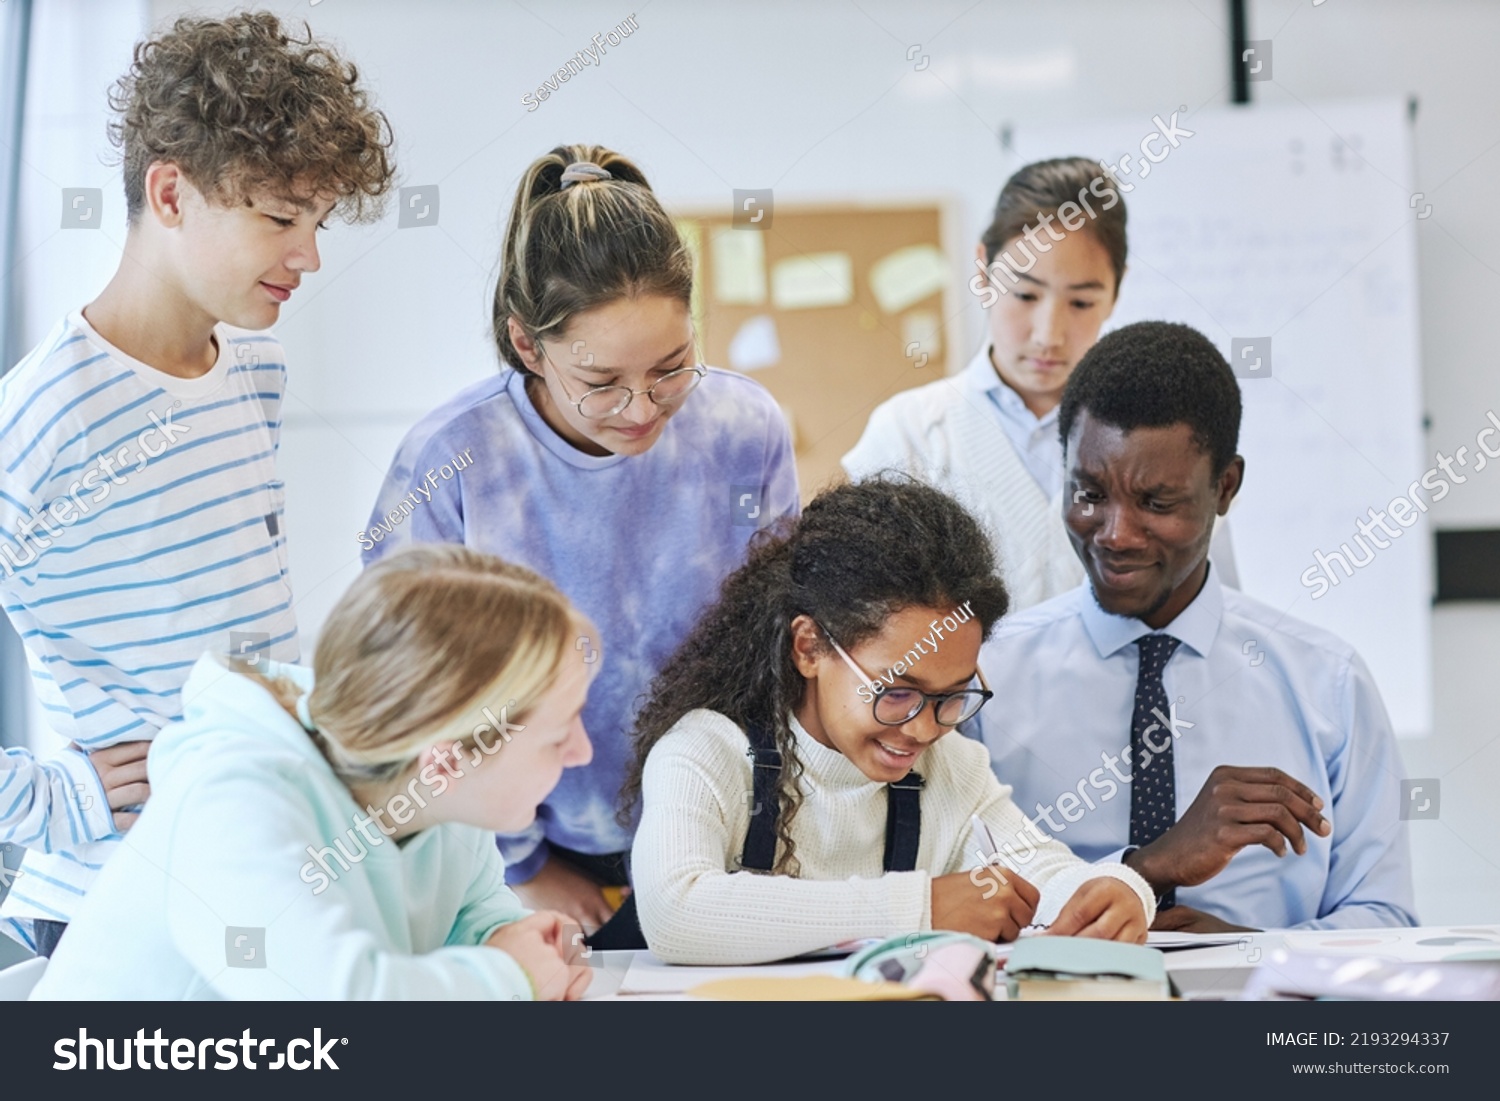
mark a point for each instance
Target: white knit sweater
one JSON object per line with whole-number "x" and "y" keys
{"x": 947, "y": 434}
{"x": 694, "y": 908}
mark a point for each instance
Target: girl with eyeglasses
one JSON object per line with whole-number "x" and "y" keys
{"x": 606, "y": 457}
{"x": 800, "y": 785}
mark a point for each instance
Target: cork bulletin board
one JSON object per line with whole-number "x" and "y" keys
{"x": 832, "y": 308}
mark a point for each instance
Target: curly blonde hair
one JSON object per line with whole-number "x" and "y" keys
{"x": 244, "y": 107}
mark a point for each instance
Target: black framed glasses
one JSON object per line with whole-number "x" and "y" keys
{"x": 895, "y": 706}
{"x": 609, "y": 401}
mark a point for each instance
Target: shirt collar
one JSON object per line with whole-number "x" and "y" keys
{"x": 1196, "y": 625}
{"x": 981, "y": 377}
{"x": 546, "y": 435}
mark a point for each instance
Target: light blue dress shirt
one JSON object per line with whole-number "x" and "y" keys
{"x": 1248, "y": 686}
{"x": 1034, "y": 438}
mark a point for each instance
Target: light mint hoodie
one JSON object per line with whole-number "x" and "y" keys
{"x": 210, "y": 894}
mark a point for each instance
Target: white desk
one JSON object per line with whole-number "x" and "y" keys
{"x": 1213, "y": 973}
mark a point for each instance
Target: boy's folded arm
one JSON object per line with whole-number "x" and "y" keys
{"x": 52, "y": 806}
{"x": 694, "y": 910}
{"x": 316, "y": 943}
{"x": 86, "y": 795}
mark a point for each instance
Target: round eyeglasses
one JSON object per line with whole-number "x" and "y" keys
{"x": 899, "y": 705}
{"x": 609, "y": 401}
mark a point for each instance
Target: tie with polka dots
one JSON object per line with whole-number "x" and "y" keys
{"x": 1153, "y": 788}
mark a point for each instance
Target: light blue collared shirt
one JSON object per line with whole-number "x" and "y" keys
{"x": 1248, "y": 686}
{"x": 1034, "y": 438}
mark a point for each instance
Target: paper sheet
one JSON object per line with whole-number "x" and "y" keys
{"x": 817, "y": 279}
{"x": 1423, "y": 944}
{"x": 692, "y": 237}
{"x": 921, "y": 336}
{"x": 649, "y": 975}
{"x": 908, "y": 275}
{"x": 739, "y": 266}
{"x": 1169, "y": 941}
{"x": 756, "y": 344}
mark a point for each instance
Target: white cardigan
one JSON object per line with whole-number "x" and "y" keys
{"x": 948, "y": 434}
{"x": 696, "y": 908}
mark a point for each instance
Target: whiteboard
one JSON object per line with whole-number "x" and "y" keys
{"x": 1297, "y": 223}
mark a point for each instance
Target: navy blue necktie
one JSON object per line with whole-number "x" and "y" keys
{"x": 1153, "y": 788}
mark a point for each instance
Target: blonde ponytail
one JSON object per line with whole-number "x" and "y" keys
{"x": 420, "y": 644}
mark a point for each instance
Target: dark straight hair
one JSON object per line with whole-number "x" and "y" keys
{"x": 1043, "y": 188}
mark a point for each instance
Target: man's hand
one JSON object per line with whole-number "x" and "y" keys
{"x": 561, "y": 887}
{"x": 537, "y": 943}
{"x": 992, "y": 903}
{"x": 1237, "y": 807}
{"x": 122, "y": 771}
{"x": 1103, "y": 907}
{"x": 1184, "y": 919}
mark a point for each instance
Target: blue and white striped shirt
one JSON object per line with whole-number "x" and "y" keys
{"x": 141, "y": 524}
{"x": 39, "y": 801}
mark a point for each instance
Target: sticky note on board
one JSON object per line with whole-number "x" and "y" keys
{"x": 922, "y": 328}
{"x": 739, "y": 266}
{"x": 692, "y": 237}
{"x": 755, "y": 345}
{"x": 908, "y": 275}
{"x": 817, "y": 279}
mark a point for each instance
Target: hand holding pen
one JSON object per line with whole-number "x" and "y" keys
{"x": 991, "y": 901}
{"x": 1104, "y": 907}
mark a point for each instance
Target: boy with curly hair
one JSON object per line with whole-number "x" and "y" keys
{"x": 141, "y": 517}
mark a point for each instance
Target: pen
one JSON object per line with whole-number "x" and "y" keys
{"x": 983, "y": 830}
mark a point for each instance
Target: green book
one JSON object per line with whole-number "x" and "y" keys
{"x": 1085, "y": 969}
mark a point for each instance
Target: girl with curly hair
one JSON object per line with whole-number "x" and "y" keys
{"x": 800, "y": 783}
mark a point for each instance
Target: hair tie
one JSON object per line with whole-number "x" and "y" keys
{"x": 583, "y": 172}
{"x": 304, "y": 715}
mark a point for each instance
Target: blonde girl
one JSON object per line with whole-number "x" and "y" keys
{"x": 327, "y": 833}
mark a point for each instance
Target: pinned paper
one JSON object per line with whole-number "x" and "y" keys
{"x": 922, "y": 328}
{"x": 818, "y": 279}
{"x": 739, "y": 266}
{"x": 692, "y": 238}
{"x": 907, "y": 276}
{"x": 755, "y": 345}
{"x": 791, "y": 424}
